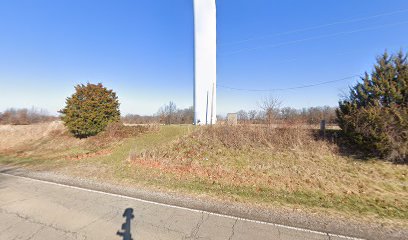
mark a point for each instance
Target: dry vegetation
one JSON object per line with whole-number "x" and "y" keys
{"x": 255, "y": 164}
{"x": 53, "y": 141}
{"x": 25, "y": 116}
{"x": 278, "y": 166}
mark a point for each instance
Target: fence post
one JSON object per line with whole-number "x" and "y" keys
{"x": 323, "y": 128}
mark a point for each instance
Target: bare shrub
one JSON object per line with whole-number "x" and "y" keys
{"x": 238, "y": 138}
{"x": 241, "y": 136}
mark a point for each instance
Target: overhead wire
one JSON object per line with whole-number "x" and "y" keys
{"x": 313, "y": 38}
{"x": 309, "y": 39}
{"x": 354, "y": 20}
{"x": 288, "y": 88}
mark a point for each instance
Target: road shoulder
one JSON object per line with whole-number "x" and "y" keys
{"x": 287, "y": 217}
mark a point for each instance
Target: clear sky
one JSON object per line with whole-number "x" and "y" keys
{"x": 143, "y": 49}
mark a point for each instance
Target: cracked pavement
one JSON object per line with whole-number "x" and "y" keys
{"x": 33, "y": 210}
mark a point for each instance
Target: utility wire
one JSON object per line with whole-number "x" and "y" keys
{"x": 317, "y": 27}
{"x": 314, "y": 38}
{"x": 285, "y": 89}
{"x": 401, "y": 46}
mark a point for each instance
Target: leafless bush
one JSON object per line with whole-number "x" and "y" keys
{"x": 222, "y": 139}
{"x": 244, "y": 136}
{"x": 25, "y": 116}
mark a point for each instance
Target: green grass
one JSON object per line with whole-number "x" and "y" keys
{"x": 351, "y": 205}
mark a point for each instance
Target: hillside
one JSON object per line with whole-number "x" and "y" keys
{"x": 286, "y": 168}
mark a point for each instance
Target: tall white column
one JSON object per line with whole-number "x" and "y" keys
{"x": 205, "y": 62}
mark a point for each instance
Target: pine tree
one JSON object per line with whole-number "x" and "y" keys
{"x": 90, "y": 110}
{"x": 375, "y": 115}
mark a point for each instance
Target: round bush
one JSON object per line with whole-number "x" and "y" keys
{"x": 90, "y": 110}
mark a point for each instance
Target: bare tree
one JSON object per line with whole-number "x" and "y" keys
{"x": 186, "y": 115}
{"x": 170, "y": 109}
{"x": 252, "y": 115}
{"x": 271, "y": 108}
{"x": 289, "y": 114}
{"x": 167, "y": 113}
{"x": 242, "y": 116}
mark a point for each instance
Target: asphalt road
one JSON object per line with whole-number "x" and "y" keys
{"x": 34, "y": 209}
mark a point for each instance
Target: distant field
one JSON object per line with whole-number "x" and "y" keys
{"x": 272, "y": 167}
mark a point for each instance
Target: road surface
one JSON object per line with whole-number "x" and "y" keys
{"x": 34, "y": 209}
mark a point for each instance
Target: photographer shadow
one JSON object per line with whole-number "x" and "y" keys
{"x": 125, "y": 231}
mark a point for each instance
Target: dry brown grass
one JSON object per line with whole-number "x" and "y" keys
{"x": 12, "y": 136}
{"x": 244, "y": 155}
{"x": 288, "y": 166}
{"x": 53, "y": 141}
{"x": 256, "y": 164}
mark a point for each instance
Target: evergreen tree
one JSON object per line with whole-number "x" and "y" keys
{"x": 375, "y": 115}
{"x": 90, "y": 109}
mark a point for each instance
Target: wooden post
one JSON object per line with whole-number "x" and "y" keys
{"x": 323, "y": 128}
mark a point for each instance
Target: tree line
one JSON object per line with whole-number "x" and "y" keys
{"x": 269, "y": 112}
{"x": 167, "y": 114}
{"x": 25, "y": 116}
{"x": 311, "y": 115}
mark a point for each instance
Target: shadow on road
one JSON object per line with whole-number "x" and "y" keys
{"x": 126, "y": 234}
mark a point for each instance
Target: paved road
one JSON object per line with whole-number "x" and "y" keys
{"x": 32, "y": 209}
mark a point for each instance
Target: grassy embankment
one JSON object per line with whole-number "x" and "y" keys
{"x": 257, "y": 165}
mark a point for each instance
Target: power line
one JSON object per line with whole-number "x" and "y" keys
{"x": 285, "y": 89}
{"x": 317, "y": 27}
{"x": 401, "y": 46}
{"x": 313, "y": 38}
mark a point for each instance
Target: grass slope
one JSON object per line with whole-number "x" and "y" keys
{"x": 286, "y": 168}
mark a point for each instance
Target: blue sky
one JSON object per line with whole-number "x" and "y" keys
{"x": 143, "y": 49}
